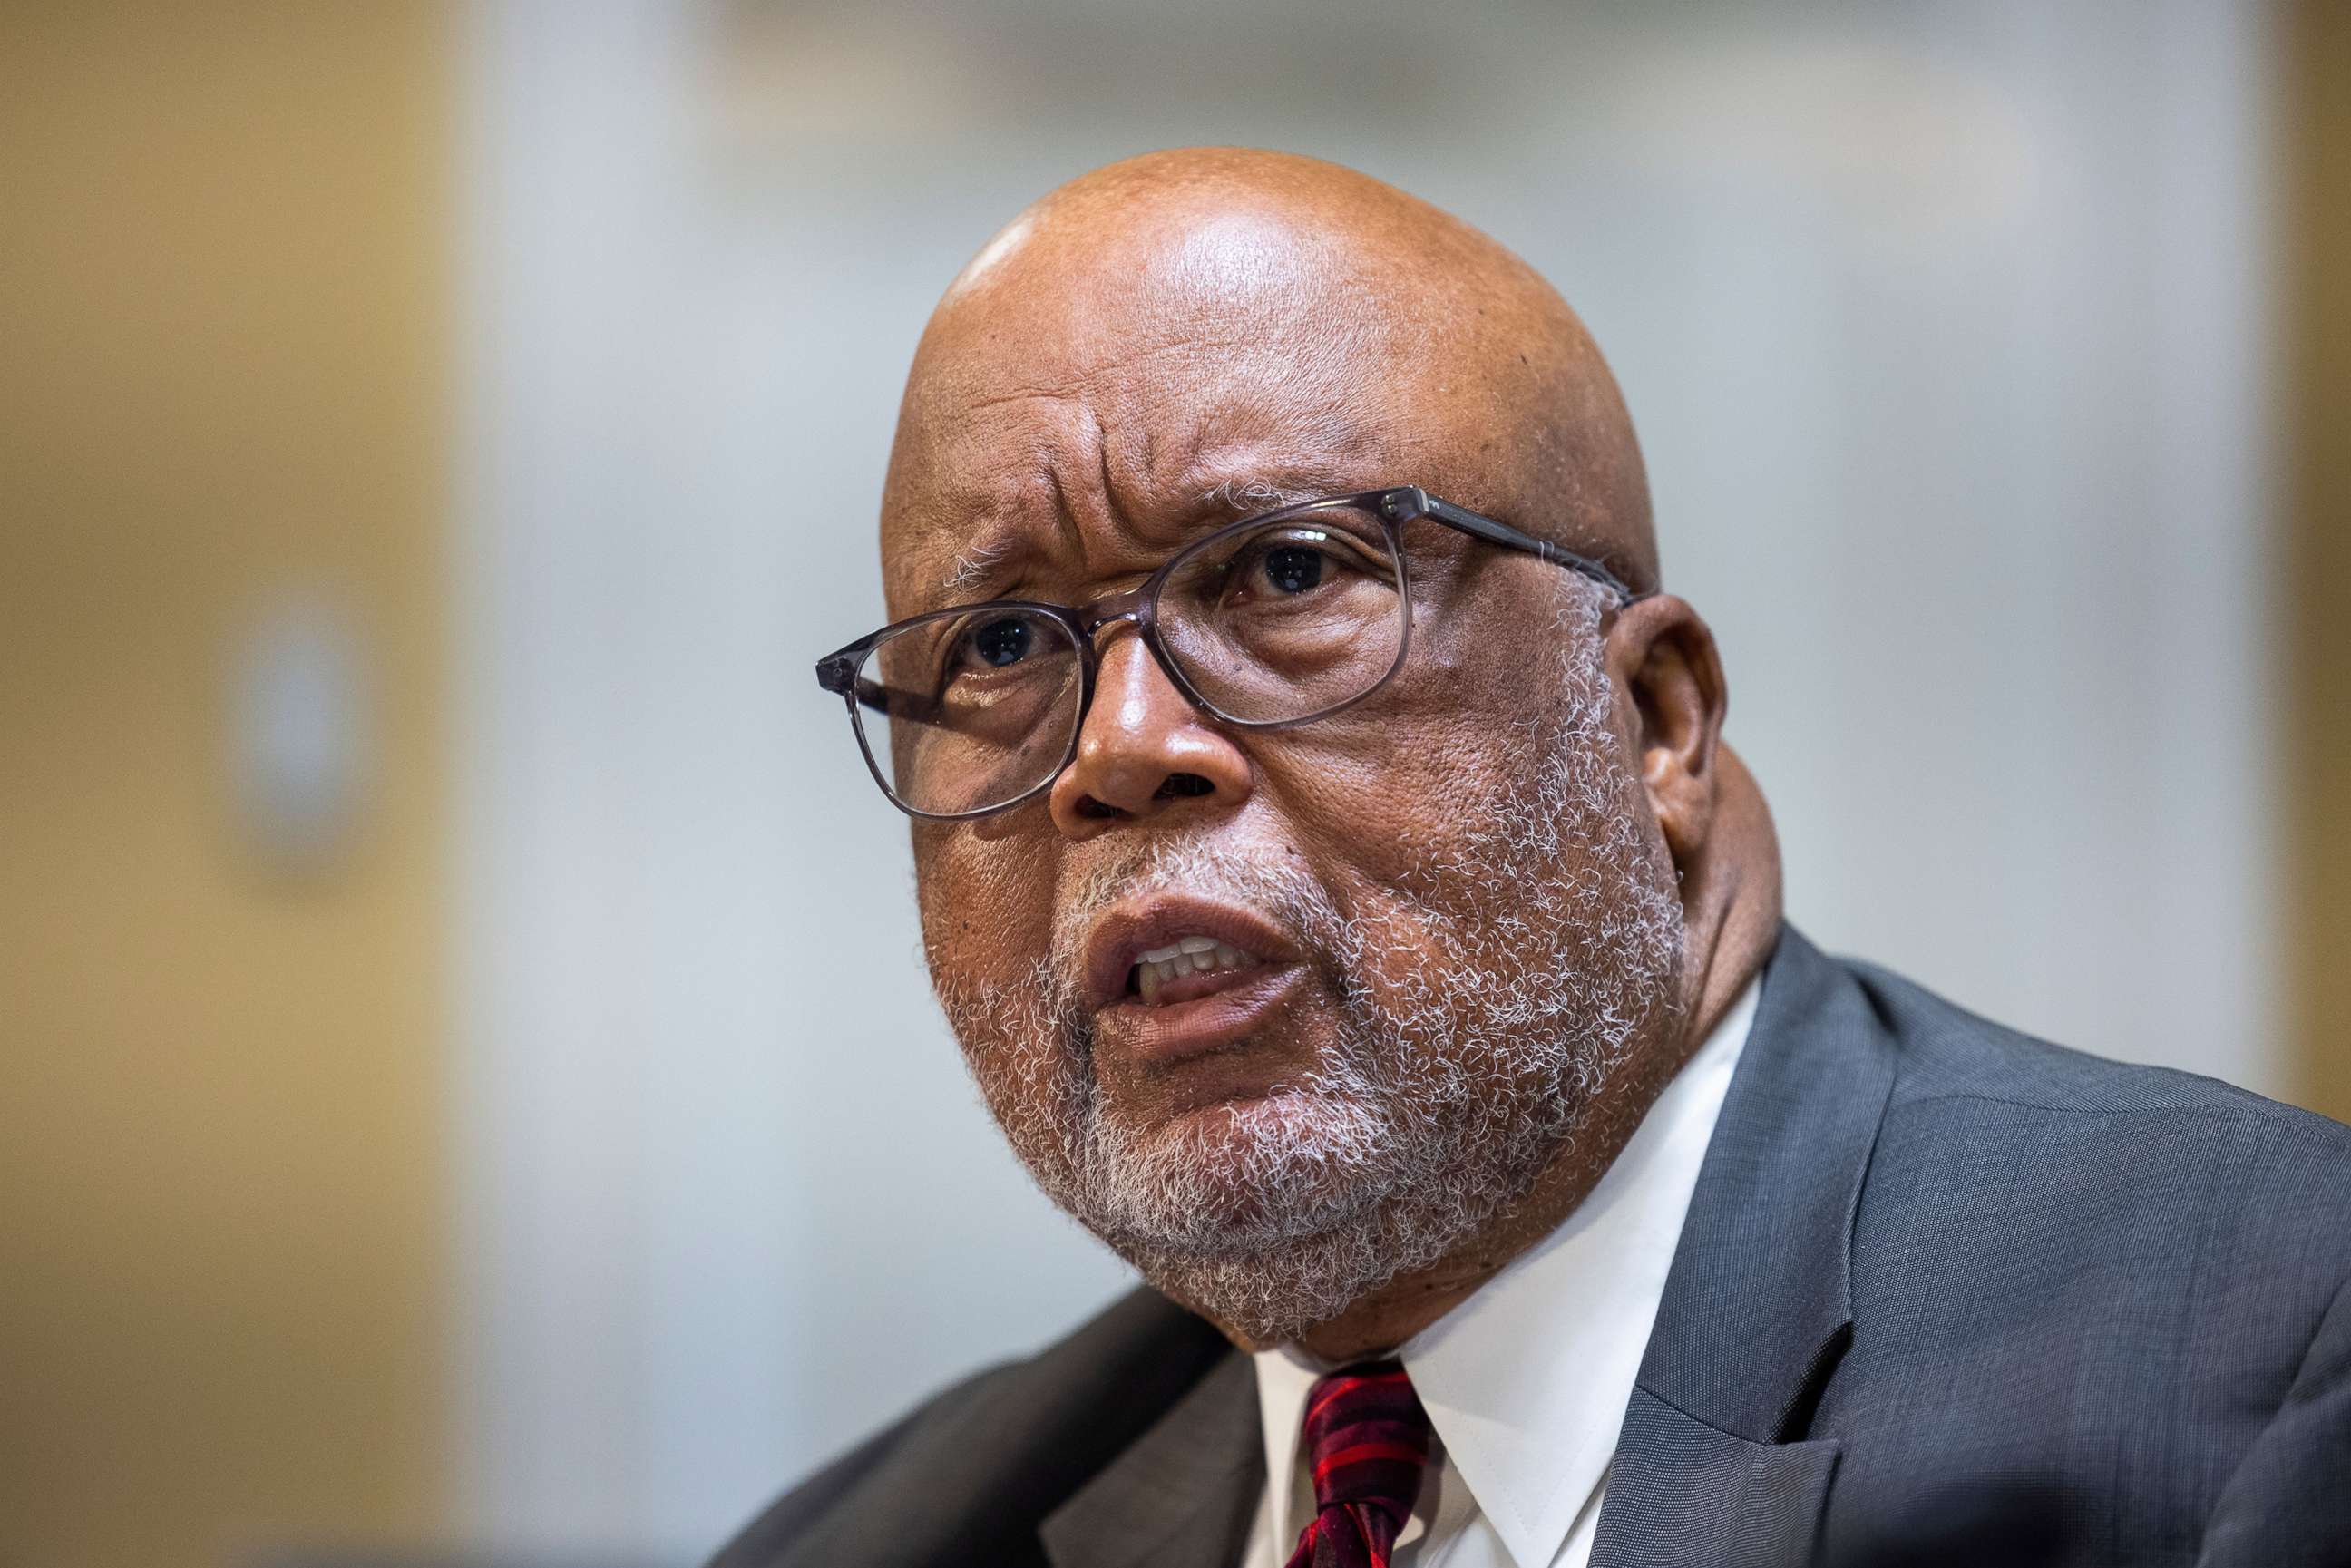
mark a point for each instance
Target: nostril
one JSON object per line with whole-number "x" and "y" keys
{"x": 1089, "y": 807}
{"x": 1177, "y": 786}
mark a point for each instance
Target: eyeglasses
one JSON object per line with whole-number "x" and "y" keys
{"x": 1274, "y": 621}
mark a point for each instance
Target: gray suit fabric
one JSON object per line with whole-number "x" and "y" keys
{"x": 1945, "y": 1294}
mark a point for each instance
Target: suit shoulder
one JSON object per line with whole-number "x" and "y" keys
{"x": 989, "y": 1454}
{"x": 2167, "y": 1147}
{"x": 1947, "y": 1051}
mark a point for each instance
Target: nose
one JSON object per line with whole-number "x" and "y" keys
{"x": 1145, "y": 752}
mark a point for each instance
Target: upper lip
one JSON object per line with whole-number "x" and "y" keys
{"x": 1136, "y": 925}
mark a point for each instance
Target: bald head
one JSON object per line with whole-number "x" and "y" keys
{"x": 1221, "y": 323}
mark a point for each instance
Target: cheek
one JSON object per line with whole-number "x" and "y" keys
{"x": 1413, "y": 812}
{"x": 986, "y": 903}
{"x": 1388, "y": 800}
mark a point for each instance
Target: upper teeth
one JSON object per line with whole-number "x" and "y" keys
{"x": 1185, "y": 956}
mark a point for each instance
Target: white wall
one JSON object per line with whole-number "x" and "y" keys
{"x": 1938, "y": 323}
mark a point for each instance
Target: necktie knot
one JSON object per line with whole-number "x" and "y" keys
{"x": 1366, "y": 1437}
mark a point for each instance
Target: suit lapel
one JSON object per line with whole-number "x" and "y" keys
{"x": 1181, "y": 1495}
{"x": 1711, "y": 1465}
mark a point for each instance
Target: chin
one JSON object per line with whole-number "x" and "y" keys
{"x": 1238, "y": 1179}
{"x": 1270, "y": 1293}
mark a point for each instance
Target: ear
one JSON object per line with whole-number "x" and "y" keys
{"x": 1668, "y": 679}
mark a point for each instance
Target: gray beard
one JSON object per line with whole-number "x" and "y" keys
{"x": 1445, "y": 1099}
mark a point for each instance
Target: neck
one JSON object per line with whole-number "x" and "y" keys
{"x": 1730, "y": 898}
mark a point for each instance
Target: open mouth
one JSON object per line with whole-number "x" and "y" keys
{"x": 1187, "y": 968}
{"x": 1176, "y": 977}
{"x": 1166, "y": 949}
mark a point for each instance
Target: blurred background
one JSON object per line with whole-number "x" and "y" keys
{"x": 468, "y": 1091}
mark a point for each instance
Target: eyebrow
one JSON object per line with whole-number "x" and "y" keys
{"x": 976, "y": 566}
{"x": 982, "y": 568}
{"x": 1242, "y": 497}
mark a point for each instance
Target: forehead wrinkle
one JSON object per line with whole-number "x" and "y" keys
{"x": 1248, "y": 435}
{"x": 1088, "y": 372}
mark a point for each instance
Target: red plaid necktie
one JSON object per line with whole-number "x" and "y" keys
{"x": 1367, "y": 1437}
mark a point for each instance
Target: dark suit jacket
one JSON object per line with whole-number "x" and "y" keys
{"x": 1945, "y": 1293}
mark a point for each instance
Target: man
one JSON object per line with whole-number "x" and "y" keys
{"x": 1332, "y": 869}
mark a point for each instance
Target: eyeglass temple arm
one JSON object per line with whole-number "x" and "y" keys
{"x": 1509, "y": 537}
{"x": 839, "y": 673}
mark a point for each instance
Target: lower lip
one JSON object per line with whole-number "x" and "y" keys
{"x": 1171, "y": 1031}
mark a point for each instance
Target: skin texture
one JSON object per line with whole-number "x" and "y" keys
{"x": 1137, "y": 358}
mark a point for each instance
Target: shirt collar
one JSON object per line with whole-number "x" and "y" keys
{"x": 1527, "y": 1381}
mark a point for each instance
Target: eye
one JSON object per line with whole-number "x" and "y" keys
{"x": 1294, "y": 565}
{"x": 1293, "y": 569}
{"x": 1002, "y": 643}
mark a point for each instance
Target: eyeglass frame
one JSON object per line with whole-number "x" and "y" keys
{"x": 1395, "y": 505}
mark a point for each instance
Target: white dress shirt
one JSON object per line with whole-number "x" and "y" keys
{"x": 1526, "y": 1382}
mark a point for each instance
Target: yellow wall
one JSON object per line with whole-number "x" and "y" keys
{"x": 222, "y": 1210}
{"x": 2316, "y": 320}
